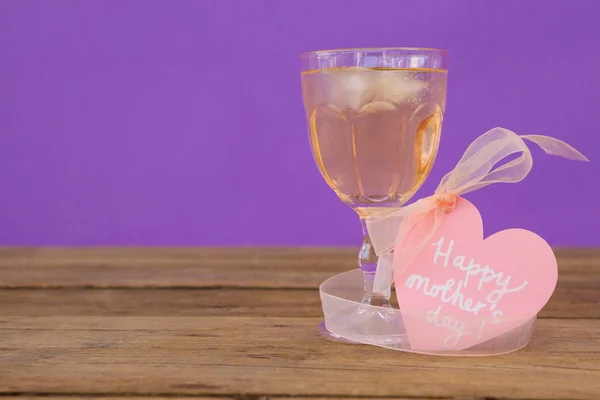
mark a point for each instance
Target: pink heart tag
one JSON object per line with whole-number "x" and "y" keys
{"x": 461, "y": 290}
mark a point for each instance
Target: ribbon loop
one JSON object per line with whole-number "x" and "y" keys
{"x": 477, "y": 168}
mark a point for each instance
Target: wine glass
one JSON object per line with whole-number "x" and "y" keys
{"x": 374, "y": 117}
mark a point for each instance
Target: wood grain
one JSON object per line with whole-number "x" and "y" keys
{"x": 575, "y": 297}
{"x": 274, "y": 356}
{"x": 241, "y": 324}
{"x": 278, "y": 268}
{"x": 251, "y": 397}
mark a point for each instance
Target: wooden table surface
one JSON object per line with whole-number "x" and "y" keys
{"x": 241, "y": 323}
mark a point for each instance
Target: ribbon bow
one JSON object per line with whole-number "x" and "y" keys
{"x": 475, "y": 170}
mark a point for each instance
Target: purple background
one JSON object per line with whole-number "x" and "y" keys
{"x": 181, "y": 122}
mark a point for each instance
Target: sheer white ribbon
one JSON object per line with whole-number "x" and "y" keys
{"x": 476, "y": 169}
{"x": 348, "y": 318}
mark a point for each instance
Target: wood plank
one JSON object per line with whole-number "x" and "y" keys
{"x": 187, "y": 267}
{"x": 279, "y": 268}
{"x": 151, "y": 397}
{"x": 160, "y": 302}
{"x": 226, "y": 356}
{"x": 575, "y": 297}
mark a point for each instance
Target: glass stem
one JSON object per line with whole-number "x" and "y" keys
{"x": 367, "y": 261}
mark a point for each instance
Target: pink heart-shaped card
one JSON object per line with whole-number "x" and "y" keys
{"x": 462, "y": 290}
